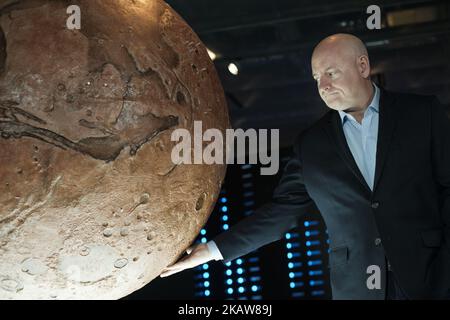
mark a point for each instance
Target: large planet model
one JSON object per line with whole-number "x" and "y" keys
{"x": 91, "y": 204}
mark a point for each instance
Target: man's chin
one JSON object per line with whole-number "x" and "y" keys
{"x": 334, "y": 105}
{"x": 333, "y": 102}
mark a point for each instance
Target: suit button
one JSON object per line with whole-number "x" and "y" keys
{"x": 377, "y": 242}
{"x": 375, "y": 205}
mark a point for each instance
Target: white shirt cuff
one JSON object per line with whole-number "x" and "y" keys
{"x": 215, "y": 252}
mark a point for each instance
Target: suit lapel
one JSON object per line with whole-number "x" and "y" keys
{"x": 336, "y": 134}
{"x": 386, "y": 126}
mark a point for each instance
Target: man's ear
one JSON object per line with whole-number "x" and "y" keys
{"x": 364, "y": 66}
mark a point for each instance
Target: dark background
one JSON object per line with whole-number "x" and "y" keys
{"x": 271, "y": 42}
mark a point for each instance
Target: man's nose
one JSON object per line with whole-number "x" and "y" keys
{"x": 324, "y": 85}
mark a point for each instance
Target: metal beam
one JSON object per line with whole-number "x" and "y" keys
{"x": 412, "y": 33}
{"x": 314, "y": 9}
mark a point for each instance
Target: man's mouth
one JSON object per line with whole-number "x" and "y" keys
{"x": 328, "y": 95}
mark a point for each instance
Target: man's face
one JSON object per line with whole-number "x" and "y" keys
{"x": 337, "y": 76}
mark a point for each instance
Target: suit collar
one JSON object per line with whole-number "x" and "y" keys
{"x": 374, "y": 105}
{"x": 387, "y": 121}
{"x": 386, "y": 127}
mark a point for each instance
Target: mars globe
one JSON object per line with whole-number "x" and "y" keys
{"x": 91, "y": 204}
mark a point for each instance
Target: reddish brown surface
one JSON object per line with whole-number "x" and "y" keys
{"x": 91, "y": 204}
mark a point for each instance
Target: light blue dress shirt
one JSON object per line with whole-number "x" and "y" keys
{"x": 362, "y": 140}
{"x": 362, "y": 137}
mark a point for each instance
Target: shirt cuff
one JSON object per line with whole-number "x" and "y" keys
{"x": 215, "y": 252}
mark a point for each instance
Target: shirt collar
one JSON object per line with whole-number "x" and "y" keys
{"x": 374, "y": 104}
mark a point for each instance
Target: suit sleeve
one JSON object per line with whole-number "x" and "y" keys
{"x": 440, "y": 124}
{"x": 270, "y": 222}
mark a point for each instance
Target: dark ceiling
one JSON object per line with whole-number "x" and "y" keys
{"x": 271, "y": 42}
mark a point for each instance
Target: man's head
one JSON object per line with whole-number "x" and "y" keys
{"x": 341, "y": 68}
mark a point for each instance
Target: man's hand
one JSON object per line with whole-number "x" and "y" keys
{"x": 197, "y": 255}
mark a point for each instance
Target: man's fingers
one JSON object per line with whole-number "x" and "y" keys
{"x": 192, "y": 259}
{"x": 177, "y": 267}
{"x": 169, "y": 273}
{"x": 183, "y": 263}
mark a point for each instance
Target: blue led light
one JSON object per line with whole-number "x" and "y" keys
{"x": 306, "y": 223}
{"x": 207, "y": 293}
{"x": 239, "y": 261}
{"x": 229, "y": 282}
{"x": 317, "y": 292}
{"x": 230, "y": 291}
{"x": 203, "y": 232}
{"x": 223, "y": 200}
{"x": 289, "y": 255}
{"x": 315, "y": 272}
{"x": 308, "y": 253}
{"x": 228, "y": 263}
{"x": 292, "y": 285}
{"x": 239, "y": 270}
{"x": 205, "y": 266}
{"x": 254, "y": 288}
{"x": 298, "y": 294}
{"x": 249, "y": 203}
{"x": 291, "y": 275}
{"x": 225, "y": 227}
{"x": 229, "y": 272}
{"x": 314, "y": 262}
{"x": 308, "y": 243}
{"x": 307, "y": 233}
{"x": 311, "y": 223}
{"x": 288, "y": 236}
{"x": 204, "y": 240}
{"x": 225, "y": 218}
{"x": 241, "y": 289}
{"x": 289, "y": 245}
{"x": 315, "y": 252}
{"x": 206, "y": 284}
{"x": 224, "y": 209}
{"x": 315, "y": 282}
{"x": 240, "y": 280}
{"x": 290, "y": 265}
{"x": 206, "y": 275}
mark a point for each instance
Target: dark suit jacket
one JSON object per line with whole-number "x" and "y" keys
{"x": 409, "y": 208}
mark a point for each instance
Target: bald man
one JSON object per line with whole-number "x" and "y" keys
{"x": 377, "y": 166}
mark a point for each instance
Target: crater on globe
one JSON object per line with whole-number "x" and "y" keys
{"x": 92, "y": 207}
